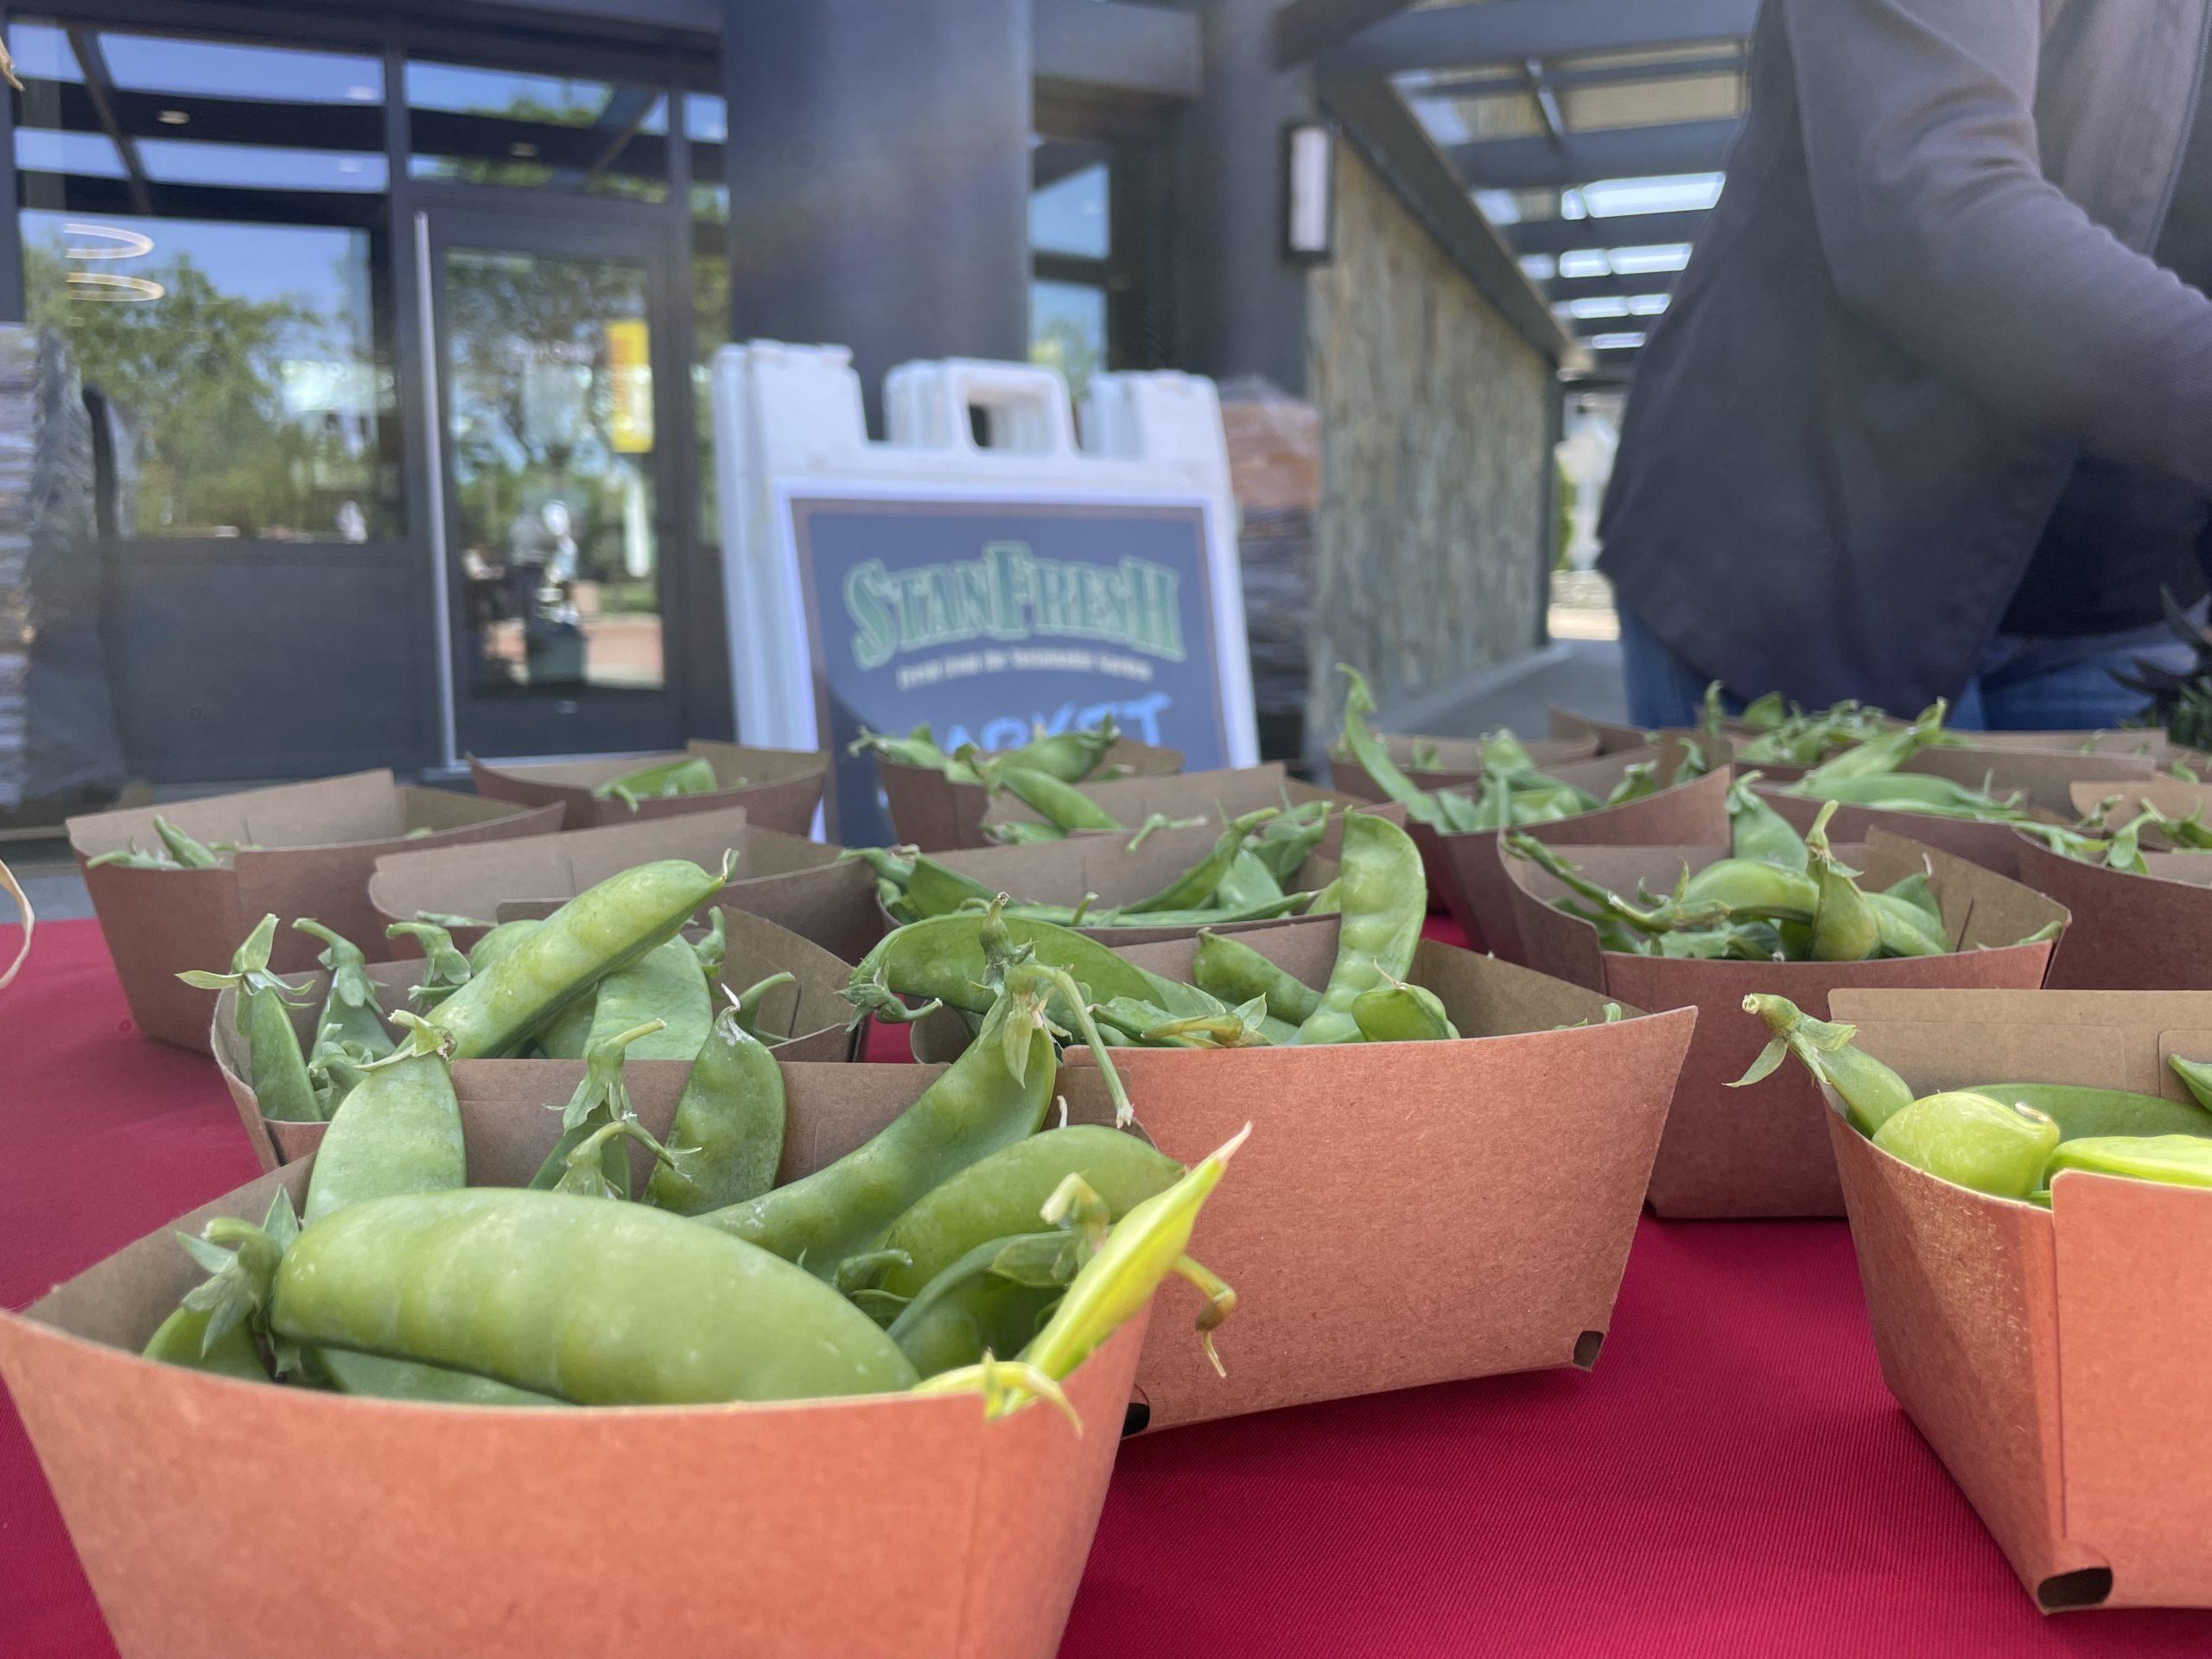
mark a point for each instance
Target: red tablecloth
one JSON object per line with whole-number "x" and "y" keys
{"x": 1732, "y": 1479}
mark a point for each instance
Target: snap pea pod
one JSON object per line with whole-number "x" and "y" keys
{"x": 1903, "y": 927}
{"x": 1395, "y": 1012}
{"x": 1871, "y": 1092}
{"x": 943, "y": 959}
{"x": 1385, "y": 898}
{"x": 1063, "y": 806}
{"x": 1153, "y": 1026}
{"x": 1756, "y": 831}
{"x": 2195, "y": 1077}
{"x": 1884, "y": 753}
{"x": 1975, "y": 1141}
{"x": 917, "y": 748}
{"x": 1248, "y": 882}
{"x": 1909, "y": 791}
{"x": 445, "y": 970}
{"x": 607, "y": 927}
{"x": 747, "y": 1005}
{"x": 1750, "y": 886}
{"x": 1070, "y": 756}
{"x": 182, "y": 1339}
{"x": 1914, "y": 890}
{"x": 349, "y": 1012}
{"x": 1285, "y": 842}
{"x": 601, "y": 1102}
{"x": 1023, "y": 832}
{"x": 935, "y": 889}
{"x": 663, "y": 984}
{"x": 727, "y": 1133}
{"x": 281, "y": 1084}
{"x": 190, "y": 854}
{"x": 1845, "y": 926}
{"x": 596, "y": 1304}
{"x": 569, "y": 1032}
{"x": 2085, "y": 1112}
{"x": 994, "y": 1095}
{"x": 1195, "y": 887}
{"x": 498, "y": 941}
{"x": 1374, "y": 755}
{"x": 1006, "y": 1193}
{"x": 397, "y": 1131}
{"x": 1234, "y": 972}
{"x": 992, "y": 1300}
{"x": 711, "y": 948}
{"x": 2176, "y": 1160}
{"x": 1210, "y": 916}
{"x": 691, "y": 774}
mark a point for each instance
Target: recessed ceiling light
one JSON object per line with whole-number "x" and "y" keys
{"x": 172, "y": 118}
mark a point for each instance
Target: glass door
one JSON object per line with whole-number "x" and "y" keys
{"x": 548, "y": 358}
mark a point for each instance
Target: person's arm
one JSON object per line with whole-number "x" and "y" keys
{"x": 1940, "y": 228}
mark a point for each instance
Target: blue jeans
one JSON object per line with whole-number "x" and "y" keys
{"x": 2020, "y": 684}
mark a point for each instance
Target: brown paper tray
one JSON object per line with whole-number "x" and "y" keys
{"x": 2053, "y": 1363}
{"x": 1763, "y": 1150}
{"x": 929, "y": 811}
{"x": 782, "y": 788}
{"x": 805, "y": 1021}
{"x": 1464, "y": 870}
{"x": 2130, "y": 932}
{"x": 1233, "y": 791}
{"x": 451, "y": 1531}
{"x": 313, "y": 846}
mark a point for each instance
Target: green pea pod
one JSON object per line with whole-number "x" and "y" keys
{"x": 1006, "y": 1193}
{"x": 182, "y": 1339}
{"x": 189, "y": 854}
{"x": 1234, "y": 972}
{"x": 1912, "y": 792}
{"x": 993, "y": 1095}
{"x": 1248, "y": 882}
{"x": 663, "y": 984}
{"x": 606, "y": 928}
{"x": 397, "y": 1131}
{"x": 349, "y": 1012}
{"x": 1374, "y": 755}
{"x": 1063, "y": 806}
{"x": 1751, "y": 886}
{"x": 1914, "y": 890}
{"x": 1756, "y": 831}
{"x": 597, "y": 1304}
{"x": 448, "y": 969}
{"x": 943, "y": 959}
{"x": 1905, "y": 928}
{"x": 992, "y": 1300}
{"x": 1195, "y": 887}
{"x": 1069, "y": 756}
{"x": 1871, "y": 1092}
{"x": 2083, "y": 1112}
{"x": 280, "y": 1079}
{"x": 934, "y": 889}
{"x": 1845, "y": 928}
{"x": 692, "y": 774}
{"x": 1975, "y": 1141}
{"x": 917, "y": 748}
{"x": 569, "y": 1034}
{"x": 600, "y": 1101}
{"x": 1399, "y": 1012}
{"x": 1751, "y": 941}
{"x": 1637, "y": 781}
{"x": 1285, "y": 842}
{"x": 1385, "y": 898}
{"x": 1023, "y": 832}
{"x": 498, "y": 941}
{"x": 2176, "y": 1160}
{"x": 2196, "y": 1077}
{"x": 727, "y": 1134}
{"x": 895, "y": 865}
{"x": 1883, "y": 754}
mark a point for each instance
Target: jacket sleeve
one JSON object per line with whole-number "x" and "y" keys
{"x": 1940, "y": 229}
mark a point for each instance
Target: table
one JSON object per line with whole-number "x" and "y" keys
{"x": 1732, "y": 1479}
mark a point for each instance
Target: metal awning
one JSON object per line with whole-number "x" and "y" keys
{"x": 1593, "y": 134}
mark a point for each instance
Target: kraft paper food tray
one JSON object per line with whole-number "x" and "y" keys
{"x": 2046, "y": 782}
{"x": 2130, "y": 932}
{"x": 807, "y": 1019}
{"x": 1459, "y": 761}
{"x": 928, "y": 810}
{"x": 1062, "y": 872}
{"x": 1232, "y": 791}
{"x": 797, "y": 882}
{"x": 1464, "y": 868}
{"x": 310, "y": 849}
{"x": 1508, "y": 1165}
{"x": 1763, "y": 1150}
{"x": 882, "y": 1527}
{"x": 782, "y": 788}
{"x": 2054, "y": 1360}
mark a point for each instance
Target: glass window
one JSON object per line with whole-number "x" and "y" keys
{"x": 1067, "y": 330}
{"x": 225, "y": 293}
{"x": 706, "y": 125}
{"x": 1068, "y": 215}
{"x": 537, "y": 132}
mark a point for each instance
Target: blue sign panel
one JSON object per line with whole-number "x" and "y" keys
{"x": 985, "y": 621}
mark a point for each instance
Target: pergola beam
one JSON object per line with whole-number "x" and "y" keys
{"x": 1613, "y": 286}
{"x": 1305, "y": 29}
{"x": 1608, "y": 153}
{"x": 1558, "y": 236}
{"x": 1509, "y": 31}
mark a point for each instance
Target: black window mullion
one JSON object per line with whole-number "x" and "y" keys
{"x": 13, "y": 305}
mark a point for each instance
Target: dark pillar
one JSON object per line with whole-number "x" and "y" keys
{"x": 1242, "y": 305}
{"x": 12, "y": 308}
{"x": 878, "y": 177}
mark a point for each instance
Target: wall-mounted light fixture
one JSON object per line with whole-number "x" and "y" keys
{"x": 1309, "y": 192}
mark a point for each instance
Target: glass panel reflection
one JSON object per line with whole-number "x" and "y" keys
{"x": 537, "y": 132}
{"x": 549, "y": 440}
{"x": 1067, "y": 330}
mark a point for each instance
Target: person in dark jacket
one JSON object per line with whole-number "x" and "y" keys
{"x": 1930, "y": 413}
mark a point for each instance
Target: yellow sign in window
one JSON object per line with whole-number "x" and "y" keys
{"x": 630, "y": 370}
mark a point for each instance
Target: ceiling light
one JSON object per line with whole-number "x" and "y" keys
{"x": 108, "y": 242}
{"x": 110, "y": 290}
{"x": 172, "y": 118}
{"x": 363, "y": 94}
{"x": 522, "y": 151}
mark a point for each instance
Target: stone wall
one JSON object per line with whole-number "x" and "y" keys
{"x": 1435, "y": 456}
